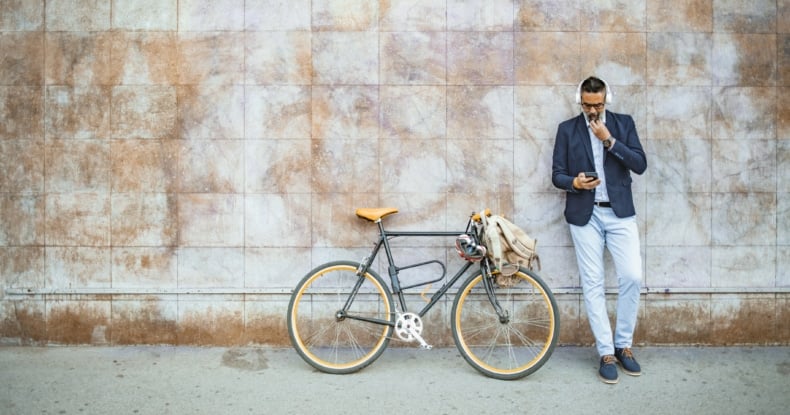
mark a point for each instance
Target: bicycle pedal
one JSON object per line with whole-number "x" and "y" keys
{"x": 426, "y": 347}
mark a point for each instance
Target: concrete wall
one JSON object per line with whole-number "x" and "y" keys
{"x": 169, "y": 169}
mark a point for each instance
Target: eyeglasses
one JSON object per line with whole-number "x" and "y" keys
{"x": 598, "y": 106}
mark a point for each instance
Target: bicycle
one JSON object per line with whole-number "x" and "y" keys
{"x": 342, "y": 315}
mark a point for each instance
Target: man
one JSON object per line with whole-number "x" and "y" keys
{"x": 600, "y": 213}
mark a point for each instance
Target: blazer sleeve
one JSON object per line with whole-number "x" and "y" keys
{"x": 560, "y": 175}
{"x": 627, "y": 148}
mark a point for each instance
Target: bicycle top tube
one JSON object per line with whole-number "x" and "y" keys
{"x": 377, "y": 214}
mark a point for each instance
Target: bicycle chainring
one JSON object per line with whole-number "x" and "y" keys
{"x": 407, "y": 325}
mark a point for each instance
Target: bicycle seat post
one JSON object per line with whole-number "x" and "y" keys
{"x": 391, "y": 268}
{"x": 380, "y": 225}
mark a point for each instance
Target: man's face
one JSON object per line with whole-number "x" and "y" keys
{"x": 593, "y": 104}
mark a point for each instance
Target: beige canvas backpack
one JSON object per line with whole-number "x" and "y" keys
{"x": 508, "y": 247}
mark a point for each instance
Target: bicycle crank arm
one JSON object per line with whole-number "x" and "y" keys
{"x": 408, "y": 327}
{"x": 419, "y": 338}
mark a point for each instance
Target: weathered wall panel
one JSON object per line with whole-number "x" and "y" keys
{"x": 169, "y": 169}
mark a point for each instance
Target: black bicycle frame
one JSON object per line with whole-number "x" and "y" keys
{"x": 393, "y": 270}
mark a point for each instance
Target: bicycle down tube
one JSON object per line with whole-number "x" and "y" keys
{"x": 394, "y": 270}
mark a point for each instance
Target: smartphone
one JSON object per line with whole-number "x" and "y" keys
{"x": 591, "y": 174}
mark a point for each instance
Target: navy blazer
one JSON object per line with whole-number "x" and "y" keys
{"x": 573, "y": 154}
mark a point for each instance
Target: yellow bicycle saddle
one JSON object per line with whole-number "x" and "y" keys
{"x": 374, "y": 214}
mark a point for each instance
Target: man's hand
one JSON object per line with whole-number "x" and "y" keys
{"x": 582, "y": 182}
{"x": 599, "y": 129}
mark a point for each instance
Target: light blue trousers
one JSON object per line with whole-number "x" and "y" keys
{"x": 621, "y": 237}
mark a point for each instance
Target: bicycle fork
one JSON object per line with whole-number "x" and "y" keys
{"x": 488, "y": 283}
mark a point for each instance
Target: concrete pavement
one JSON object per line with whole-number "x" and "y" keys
{"x": 252, "y": 380}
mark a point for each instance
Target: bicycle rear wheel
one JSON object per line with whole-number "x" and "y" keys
{"x": 325, "y": 337}
{"x": 519, "y": 344}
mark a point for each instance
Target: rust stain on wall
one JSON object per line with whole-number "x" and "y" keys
{"x": 570, "y": 330}
{"x": 750, "y": 323}
{"x": 304, "y": 63}
{"x": 210, "y": 57}
{"x": 686, "y": 323}
{"x": 77, "y": 325}
{"x": 144, "y": 113}
{"x": 756, "y": 67}
{"x": 270, "y": 330}
{"x": 88, "y": 322}
{"x": 320, "y": 113}
{"x": 206, "y": 330}
{"x": 783, "y": 320}
{"x": 23, "y": 53}
{"x": 466, "y": 108}
{"x": 151, "y": 57}
{"x": 144, "y": 220}
{"x": 144, "y": 325}
{"x": 144, "y": 165}
{"x": 78, "y": 58}
{"x": 24, "y": 222}
{"x": 27, "y": 325}
{"x": 78, "y": 112}
{"x": 21, "y": 109}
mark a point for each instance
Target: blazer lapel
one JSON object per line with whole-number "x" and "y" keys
{"x": 611, "y": 125}
{"x": 584, "y": 135}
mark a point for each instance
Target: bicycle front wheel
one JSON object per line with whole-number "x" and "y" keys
{"x": 326, "y": 336}
{"x": 515, "y": 345}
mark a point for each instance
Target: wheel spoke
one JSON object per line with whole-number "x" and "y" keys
{"x": 331, "y": 343}
{"x": 513, "y": 348}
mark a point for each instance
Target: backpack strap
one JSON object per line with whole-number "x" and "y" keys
{"x": 492, "y": 240}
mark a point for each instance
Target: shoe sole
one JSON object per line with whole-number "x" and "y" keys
{"x": 629, "y": 373}
{"x": 626, "y": 371}
{"x": 608, "y": 381}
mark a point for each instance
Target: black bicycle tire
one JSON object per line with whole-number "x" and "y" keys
{"x": 522, "y": 370}
{"x": 300, "y": 345}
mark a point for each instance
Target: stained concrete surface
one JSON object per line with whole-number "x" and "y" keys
{"x": 252, "y": 380}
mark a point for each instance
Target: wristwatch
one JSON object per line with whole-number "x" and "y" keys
{"x": 608, "y": 142}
